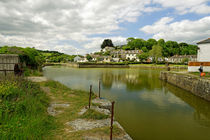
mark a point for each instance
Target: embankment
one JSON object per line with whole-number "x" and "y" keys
{"x": 156, "y": 66}
{"x": 196, "y": 85}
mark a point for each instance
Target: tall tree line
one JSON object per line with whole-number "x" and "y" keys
{"x": 169, "y": 48}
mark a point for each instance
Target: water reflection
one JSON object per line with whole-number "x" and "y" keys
{"x": 134, "y": 80}
{"x": 202, "y": 107}
{"x": 147, "y": 107}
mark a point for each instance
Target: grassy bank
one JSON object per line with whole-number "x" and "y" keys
{"x": 23, "y": 108}
{"x": 77, "y": 100}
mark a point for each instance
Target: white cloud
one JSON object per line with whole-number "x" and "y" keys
{"x": 45, "y": 23}
{"x": 185, "y": 30}
{"x": 186, "y": 6}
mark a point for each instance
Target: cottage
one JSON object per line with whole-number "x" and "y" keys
{"x": 132, "y": 54}
{"x": 77, "y": 58}
{"x": 126, "y": 54}
{"x": 108, "y": 48}
{"x": 182, "y": 58}
{"x": 203, "y": 57}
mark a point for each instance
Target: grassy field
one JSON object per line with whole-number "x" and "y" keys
{"x": 23, "y": 108}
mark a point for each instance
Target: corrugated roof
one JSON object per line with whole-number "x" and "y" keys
{"x": 204, "y": 41}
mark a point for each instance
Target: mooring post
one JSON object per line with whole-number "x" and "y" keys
{"x": 90, "y": 95}
{"x": 99, "y": 88}
{"x": 112, "y": 118}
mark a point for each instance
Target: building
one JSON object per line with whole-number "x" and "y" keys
{"x": 203, "y": 57}
{"x": 204, "y": 50}
{"x": 107, "y": 48}
{"x": 126, "y": 54}
{"x": 132, "y": 54}
{"x": 77, "y": 58}
{"x": 8, "y": 62}
{"x": 107, "y": 59}
{"x": 182, "y": 58}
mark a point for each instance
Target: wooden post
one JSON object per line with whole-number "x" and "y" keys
{"x": 99, "y": 89}
{"x": 90, "y": 95}
{"x": 112, "y": 118}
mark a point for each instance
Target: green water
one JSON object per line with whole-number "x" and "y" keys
{"x": 148, "y": 108}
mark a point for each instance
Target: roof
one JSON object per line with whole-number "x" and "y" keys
{"x": 204, "y": 41}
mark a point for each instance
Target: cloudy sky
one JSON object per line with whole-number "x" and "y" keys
{"x": 79, "y": 26}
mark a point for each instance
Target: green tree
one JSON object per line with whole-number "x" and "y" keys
{"x": 107, "y": 42}
{"x": 89, "y": 58}
{"x": 151, "y": 42}
{"x": 144, "y": 49}
{"x": 143, "y": 56}
{"x": 156, "y": 52}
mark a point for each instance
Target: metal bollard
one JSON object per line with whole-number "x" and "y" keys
{"x": 99, "y": 89}
{"x": 90, "y": 95}
{"x": 112, "y": 118}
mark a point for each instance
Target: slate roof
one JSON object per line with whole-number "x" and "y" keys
{"x": 204, "y": 41}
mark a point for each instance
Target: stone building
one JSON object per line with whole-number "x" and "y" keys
{"x": 7, "y": 62}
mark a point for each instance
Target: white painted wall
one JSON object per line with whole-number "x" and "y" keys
{"x": 131, "y": 56}
{"x": 195, "y": 68}
{"x": 204, "y": 52}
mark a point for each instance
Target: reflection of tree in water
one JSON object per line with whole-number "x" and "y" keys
{"x": 202, "y": 107}
{"x": 134, "y": 79}
{"x": 107, "y": 79}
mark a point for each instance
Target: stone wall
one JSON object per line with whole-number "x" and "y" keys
{"x": 198, "y": 86}
{"x": 8, "y": 61}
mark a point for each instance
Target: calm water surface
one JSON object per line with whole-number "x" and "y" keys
{"x": 148, "y": 108}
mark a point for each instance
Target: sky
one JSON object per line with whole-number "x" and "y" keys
{"x": 80, "y": 26}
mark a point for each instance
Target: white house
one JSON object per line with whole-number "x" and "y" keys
{"x": 77, "y": 58}
{"x": 132, "y": 54}
{"x": 107, "y": 48}
{"x": 204, "y": 50}
{"x": 203, "y": 57}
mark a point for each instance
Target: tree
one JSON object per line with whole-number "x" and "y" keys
{"x": 143, "y": 56}
{"x": 151, "y": 42}
{"x": 107, "y": 42}
{"x": 144, "y": 49}
{"x": 89, "y": 58}
{"x": 156, "y": 52}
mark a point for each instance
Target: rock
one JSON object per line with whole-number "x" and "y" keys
{"x": 83, "y": 124}
{"x": 37, "y": 79}
{"x": 103, "y": 103}
{"x": 96, "y": 108}
{"x": 52, "y": 108}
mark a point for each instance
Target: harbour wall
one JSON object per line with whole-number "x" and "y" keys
{"x": 196, "y": 85}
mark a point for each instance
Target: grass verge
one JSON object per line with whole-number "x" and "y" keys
{"x": 23, "y": 108}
